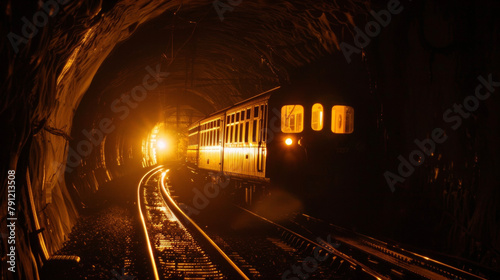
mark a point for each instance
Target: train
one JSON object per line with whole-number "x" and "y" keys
{"x": 293, "y": 137}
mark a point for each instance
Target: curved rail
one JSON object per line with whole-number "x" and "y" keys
{"x": 148, "y": 242}
{"x": 236, "y": 272}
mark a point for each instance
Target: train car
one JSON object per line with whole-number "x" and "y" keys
{"x": 233, "y": 141}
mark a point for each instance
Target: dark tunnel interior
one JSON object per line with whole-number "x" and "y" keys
{"x": 88, "y": 85}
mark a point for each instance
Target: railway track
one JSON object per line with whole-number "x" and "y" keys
{"x": 266, "y": 250}
{"x": 301, "y": 248}
{"x": 392, "y": 258}
{"x": 177, "y": 250}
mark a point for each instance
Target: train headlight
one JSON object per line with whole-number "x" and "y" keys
{"x": 288, "y": 141}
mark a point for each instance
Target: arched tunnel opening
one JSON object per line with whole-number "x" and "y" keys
{"x": 365, "y": 131}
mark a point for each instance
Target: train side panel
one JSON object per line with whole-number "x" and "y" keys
{"x": 245, "y": 148}
{"x": 210, "y": 150}
{"x": 193, "y": 144}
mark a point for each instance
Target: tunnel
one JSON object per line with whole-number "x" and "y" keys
{"x": 95, "y": 93}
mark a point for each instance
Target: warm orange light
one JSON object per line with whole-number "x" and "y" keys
{"x": 289, "y": 141}
{"x": 161, "y": 144}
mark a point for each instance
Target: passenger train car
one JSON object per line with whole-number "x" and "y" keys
{"x": 285, "y": 136}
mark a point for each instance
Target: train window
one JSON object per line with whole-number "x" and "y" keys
{"x": 342, "y": 119}
{"x": 217, "y": 137}
{"x": 227, "y": 134}
{"x": 238, "y": 116}
{"x": 241, "y": 132}
{"x": 292, "y": 118}
{"x": 232, "y": 118}
{"x": 256, "y": 112}
{"x": 218, "y": 123}
{"x": 236, "y": 134}
{"x": 247, "y": 124}
{"x": 231, "y": 134}
{"x": 317, "y": 117}
{"x": 254, "y": 131}
{"x": 248, "y": 114}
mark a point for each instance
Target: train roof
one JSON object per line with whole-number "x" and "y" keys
{"x": 237, "y": 104}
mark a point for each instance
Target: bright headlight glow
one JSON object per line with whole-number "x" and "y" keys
{"x": 289, "y": 141}
{"x": 161, "y": 144}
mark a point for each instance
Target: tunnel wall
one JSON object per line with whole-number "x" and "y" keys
{"x": 431, "y": 57}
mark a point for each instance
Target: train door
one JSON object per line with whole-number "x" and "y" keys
{"x": 261, "y": 150}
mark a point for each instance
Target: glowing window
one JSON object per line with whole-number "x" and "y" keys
{"x": 342, "y": 119}
{"x": 246, "y": 131}
{"x": 292, "y": 118}
{"x": 236, "y": 127}
{"x": 317, "y": 117}
{"x": 241, "y": 133}
{"x": 254, "y": 131}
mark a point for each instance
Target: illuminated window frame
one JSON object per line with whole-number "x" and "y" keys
{"x": 292, "y": 118}
{"x": 342, "y": 119}
{"x": 317, "y": 117}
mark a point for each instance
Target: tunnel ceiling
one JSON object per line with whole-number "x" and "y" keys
{"x": 214, "y": 57}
